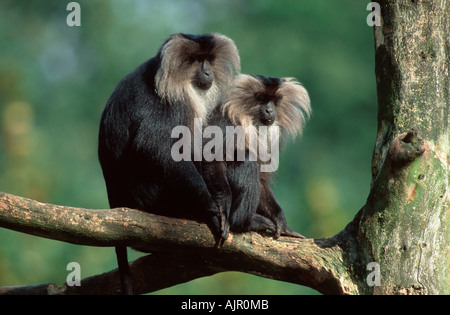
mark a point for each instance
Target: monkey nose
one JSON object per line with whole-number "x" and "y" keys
{"x": 206, "y": 69}
{"x": 207, "y": 73}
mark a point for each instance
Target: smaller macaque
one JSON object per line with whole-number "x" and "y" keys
{"x": 241, "y": 186}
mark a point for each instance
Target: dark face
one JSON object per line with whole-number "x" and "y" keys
{"x": 202, "y": 60}
{"x": 204, "y": 76}
{"x": 268, "y": 113}
{"x": 268, "y": 100}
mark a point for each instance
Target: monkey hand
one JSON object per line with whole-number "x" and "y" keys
{"x": 221, "y": 226}
{"x": 288, "y": 232}
{"x": 285, "y": 230}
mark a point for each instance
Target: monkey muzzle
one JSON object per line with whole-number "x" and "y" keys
{"x": 267, "y": 114}
{"x": 204, "y": 76}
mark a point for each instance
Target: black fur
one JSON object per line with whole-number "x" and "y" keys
{"x": 135, "y": 146}
{"x": 235, "y": 185}
{"x": 240, "y": 189}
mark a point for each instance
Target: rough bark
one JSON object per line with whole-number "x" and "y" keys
{"x": 315, "y": 263}
{"x": 404, "y": 225}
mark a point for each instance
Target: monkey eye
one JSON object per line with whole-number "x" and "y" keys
{"x": 196, "y": 58}
{"x": 276, "y": 100}
{"x": 202, "y": 57}
{"x": 262, "y": 98}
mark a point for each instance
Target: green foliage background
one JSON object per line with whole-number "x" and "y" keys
{"x": 55, "y": 80}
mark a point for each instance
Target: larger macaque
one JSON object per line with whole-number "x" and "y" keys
{"x": 185, "y": 80}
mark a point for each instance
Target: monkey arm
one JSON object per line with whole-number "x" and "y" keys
{"x": 269, "y": 207}
{"x": 215, "y": 176}
{"x": 244, "y": 182}
{"x": 189, "y": 196}
{"x": 149, "y": 179}
{"x": 207, "y": 196}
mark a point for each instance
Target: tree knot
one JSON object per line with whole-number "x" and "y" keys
{"x": 405, "y": 148}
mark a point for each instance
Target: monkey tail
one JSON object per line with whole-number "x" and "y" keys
{"x": 124, "y": 270}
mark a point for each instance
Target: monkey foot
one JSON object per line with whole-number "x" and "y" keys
{"x": 285, "y": 230}
{"x": 291, "y": 233}
{"x": 222, "y": 228}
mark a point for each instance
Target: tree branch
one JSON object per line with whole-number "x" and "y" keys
{"x": 313, "y": 263}
{"x": 403, "y": 227}
{"x": 183, "y": 250}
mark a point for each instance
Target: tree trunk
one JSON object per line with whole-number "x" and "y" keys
{"x": 405, "y": 224}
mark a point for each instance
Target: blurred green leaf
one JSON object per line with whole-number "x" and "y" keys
{"x": 62, "y": 76}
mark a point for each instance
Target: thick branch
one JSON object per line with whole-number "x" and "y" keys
{"x": 150, "y": 273}
{"x": 314, "y": 263}
{"x": 336, "y": 265}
